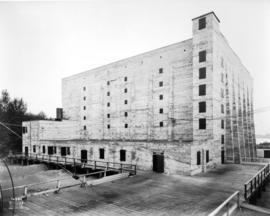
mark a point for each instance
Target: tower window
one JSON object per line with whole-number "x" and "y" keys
{"x": 160, "y": 97}
{"x": 84, "y": 127}
{"x": 202, "y": 23}
{"x": 202, "y": 73}
{"x": 161, "y": 110}
{"x": 108, "y": 104}
{"x": 222, "y": 108}
{"x": 125, "y": 79}
{"x": 125, "y": 90}
{"x": 84, "y": 88}
{"x": 108, "y": 93}
{"x": 222, "y": 124}
{"x": 43, "y": 149}
{"x": 84, "y": 118}
{"x": 84, "y": 98}
{"x": 126, "y": 114}
{"x": 207, "y": 156}
{"x": 24, "y": 130}
{"x": 126, "y": 125}
{"x": 84, "y": 107}
{"x": 202, "y": 123}
{"x": 101, "y": 153}
{"x": 108, "y": 82}
{"x": 34, "y": 148}
{"x": 202, "y": 56}
{"x": 160, "y": 84}
{"x": 160, "y": 70}
{"x": 222, "y": 93}
{"x": 108, "y": 126}
{"x": 202, "y": 107}
{"x": 202, "y": 90}
{"x": 122, "y": 155}
{"x": 222, "y": 139}
{"x": 108, "y": 115}
{"x": 160, "y": 124}
{"x": 198, "y": 158}
{"x": 125, "y": 102}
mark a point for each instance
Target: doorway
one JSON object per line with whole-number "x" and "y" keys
{"x": 84, "y": 156}
{"x": 222, "y": 156}
{"x": 26, "y": 151}
{"x": 158, "y": 162}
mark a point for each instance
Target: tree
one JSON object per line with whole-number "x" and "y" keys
{"x": 12, "y": 113}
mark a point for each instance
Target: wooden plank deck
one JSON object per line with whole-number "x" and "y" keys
{"x": 146, "y": 194}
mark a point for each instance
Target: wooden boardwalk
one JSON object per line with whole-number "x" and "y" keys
{"x": 146, "y": 194}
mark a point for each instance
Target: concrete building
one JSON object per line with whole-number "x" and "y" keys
{"x": 187, "y": 106}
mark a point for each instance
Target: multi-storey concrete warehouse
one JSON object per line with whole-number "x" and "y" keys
{"x": 188, "y": 105}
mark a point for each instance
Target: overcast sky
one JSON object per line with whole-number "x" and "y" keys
{"x": 42, "y": 42}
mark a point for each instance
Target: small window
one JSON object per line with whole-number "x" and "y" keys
{"x": 222, "y": 77}
{"x": 54, "y": 150}
{"x": 108, "y": 93}
{"x": 24, "y": 130}
{"x": 84, "y": 127}
{"x": 207, "y": 156}
{"x": 160, "y": 84}
{"x": 126, "y": 114}
{"x": 160, "y": 124}
{"x": 68, "y": 150}
{"x": 125, "y": 79}
{"x": 222, "y": 108}
{"x": 202, "y": 123}
{"x": 34, "y": 148}
{"x": 202, "y": 73}
{"x": 160, "y": 97}
{"x": 202, "y": 23}
{"x": 101, "y": 153}
{"x": 161, "y": 110}
{"x": 160, "y": 70}
{"x": 198, "y": 158}
{"x": 84, "y": 88}
{"x": 108, "y": 82}
{"x": 222, "y": 124}
{"x": 84, "y": 107}
{"x": 125, "y": 90}
{"x": 222, "y": 139}
{"x": 125, "y": 102}
{"x": 126, "y": 125}
{"x": 202, "y": 56}
{"x": 108, "y": 104}
{"x": 108, "y": 126}
{"x": 122, "y": 155}
{"x": 108, "y": 115}
{"x": 202, "y": 90}
{"x": 84, "y": 98}
{"x": 43, "y": 149}
{"x": 202, "y": 107}
{"x": 84, "y": 118}
{"x": 222, "y": 93}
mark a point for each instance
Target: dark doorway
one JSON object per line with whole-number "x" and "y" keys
{"x": 158, "y": 162}
{"x": 84, "y": 156}
{"x": 50, "y": 150}
{"x": 266, "y": 153}
{"x": 222, "y": 156}
{"x": 26, "y": 150}
{"x": 122, "y": 155}
{"x": 63, "y": 151}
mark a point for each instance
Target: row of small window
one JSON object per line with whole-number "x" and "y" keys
{"x": 24, "y": 130}
{"x": 199, "y": 157}
{"x": 122, "y": 154}
{"x": 53, "y": 150}
{"x": 202, "y": 107}
{"x": 202, "y": 123}
{"x": 161, "y": 124}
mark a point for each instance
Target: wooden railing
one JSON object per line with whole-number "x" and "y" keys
{"x": 226, "y": 204}
{"x": 256, "y": 184}
{"x": 95, "y": 164}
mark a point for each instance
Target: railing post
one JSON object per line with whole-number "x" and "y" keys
{"x": 245, "y": 192}
{"x": 58, "y": 186}
{"x": 25, "y": 192}
{"x": 95, "y": 165}
{"x": 57, "y": 159}
{"x": 227, "y": 209}
{"x": 121, "y": 168}
{"x": 238, "y": 200}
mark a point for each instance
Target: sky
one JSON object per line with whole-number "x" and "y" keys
{"x": 43, "y": 42}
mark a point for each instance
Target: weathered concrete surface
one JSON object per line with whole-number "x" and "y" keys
{"x": 146, "y": 194}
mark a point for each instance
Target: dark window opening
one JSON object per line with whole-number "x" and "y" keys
{"x": 160, "y": 97}
{"x": 108, "y": 104}
{"x": 24, "y": 130}
{"x": 34, "y": 148}
{"x": 126, "y": 114}
{"x": 84, "y": 118}
{"x": 222, "y": 108}
{"x": 125, "y": 90}
{"x": 207, "y": 156}
{"x": 84, "y": 88}
{"x": 101, "y": 153}
{"x": 160, "y": 84}
{"x": 222, "y": 124}
{"x": 161, "y": 110}
{"x": 160, "y": 70}
{"x": 108, "y": 115}
{"x": 122, "y": 155}
{"x": 126, "y": 102}
{"x": 202, "y": 23}
{"x": 198, "y": 158}
{"x": 54, "y": 150}
{"x": 202, "y": 107}
{"x": 266, "y": 153}
{"x": 84, "y": 127}
{"x": 43, "y": 149}
{"x": 68, "y": 150}
{"x": 202, "y": 123}
{"x": 84, "y": 98}
{"x": 202, "y": 56}
{"x": 108, "y": 82}
{"x": 202, "y": 90}
{"x": 222, "y": 139}
{"x": 126, "y": 125}
{"x": 125, "y": 79}
{"x": 108, "y": 93}
{"x": 84, "y": 107}
{"x": 50, "y": 150}
{"x": 202, "y": 73}
{"x": 108, "y": 126}
{"x": 160, "y": 124}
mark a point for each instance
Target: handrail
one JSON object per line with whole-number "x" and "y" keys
{"x": 257, "y": 173}
{"x": 225, "y": 203}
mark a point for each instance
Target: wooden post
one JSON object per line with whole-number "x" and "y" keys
{"x": 238, "y": 199}
{"x": 25, "y": 192}
{"x": 121, "y": 165}
{"x": 245, "y": 192}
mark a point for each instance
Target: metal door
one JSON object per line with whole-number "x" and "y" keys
{"x": 158, "y": 162}
{"x": 84, "y": 156}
